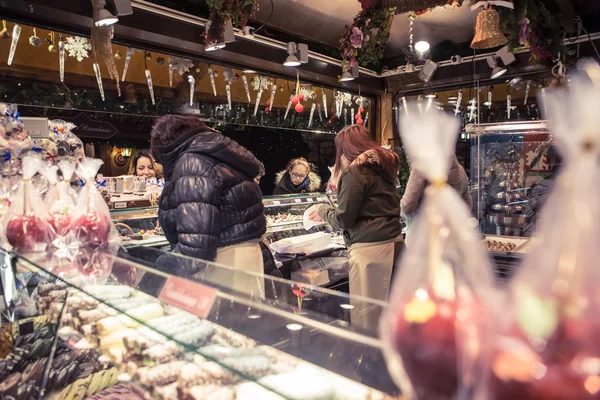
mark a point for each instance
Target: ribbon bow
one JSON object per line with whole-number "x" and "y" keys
{"x": 6, "y": 157}
{"x": 36, "y": 149}
{"x": 81, "y": 183}
{"x": 15, "y": 116}
{"x": 498, "y": 3}
{"x": 51, "y": 157}
{"x": 100, "y": 184}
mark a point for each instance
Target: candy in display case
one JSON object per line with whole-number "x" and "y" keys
{"x": 139, "y": 227}
{"x": 195, "y": 337}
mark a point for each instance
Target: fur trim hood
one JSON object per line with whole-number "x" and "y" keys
{"x": 374, "y": 159}
{"x": 314, "y": 185}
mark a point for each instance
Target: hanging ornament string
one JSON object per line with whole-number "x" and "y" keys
{"x": 149, "y": 80}
{"x": 13, "y": 44}
{"x": 192, "y": 82}
{"x": 61, "y": 57}
{"x": 170, "y": 72}
{"x": 411, "y": 24}
{"x": 324, "y": 102}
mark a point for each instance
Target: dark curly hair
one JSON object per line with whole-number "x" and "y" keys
{"x": 169, "y": 127}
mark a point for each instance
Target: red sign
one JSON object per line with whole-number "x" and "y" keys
{"x": 189, "y": 296}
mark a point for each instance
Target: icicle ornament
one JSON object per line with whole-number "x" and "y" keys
{"x": 99, "y": 79}
{"x": 472, "y": 108}
{"x": 319, "y": 111}
{"x": 489, "y": 99}
{"x": 192, "y": 82}
{"x": 346, "y": 117}
{"x": 312, "y": 113}
{"x": 273, "y": 91}
{"x": 61, "y": 58}
{"x": 211, "y": 76}
{"x": 13, "y": 44}
{"x": 458, "y": 101}
{"x": 150, "y": 86}
{"x": 228, "y": 89}
{"x": 258, "y": 96}
{"x": 527, "y": 92}
{"x": 245, "y": 80}
{"x": 287, "y": 110}
{"x": 171, "y": 69}
{"x": 127, "y": 61}
{"x": 508, "y": 105}
{"x": 325, "y": 103}
{"x": 366, "y": 119}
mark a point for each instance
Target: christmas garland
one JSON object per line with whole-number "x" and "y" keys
{"x": 364, "y": 42}
{"x": 238, "y": 11}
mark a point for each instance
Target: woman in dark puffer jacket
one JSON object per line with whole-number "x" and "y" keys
{"x": 211, "y": 208}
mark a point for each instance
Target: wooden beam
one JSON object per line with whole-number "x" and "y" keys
{"x": 384, "y": 125}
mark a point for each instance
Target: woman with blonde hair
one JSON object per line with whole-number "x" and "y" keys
{"x": 298, "y": 177}
{"x": 368, "y": 213}
{"x": 144, "y": 164}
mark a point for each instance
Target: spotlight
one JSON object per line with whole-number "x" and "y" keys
{"x": 297, "y": 54}
{"x": 454, "y": 60}
{"x": 347, "y": 76}
{"x": 109, "y": 13}
{"x": 428, "y": 70}
{"x": 497, "y": 71}
{"x": 422, "y": 49}
{"x": 431, "y": 96}
{"x": 506, "y": 56}
{"x": 214, "y": 46}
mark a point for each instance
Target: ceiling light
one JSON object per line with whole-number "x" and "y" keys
{"x": 249, "y": 71}
{"x": 297, "y": 54}
{"x": 294, "y": 327}
{"x": 347, "y": 306}
{"x": 214, "y": 46}
{"x": 291, "y": 61}
{"x": 453, "y": 98}
{"x": 431, "y": 96}
{"x": 428, "y": 70}
{"x": 497, "y": 71}
{"x": 346, "y": 76}
{"x": 422, "y": 47}
{"x": 105, "y": 18}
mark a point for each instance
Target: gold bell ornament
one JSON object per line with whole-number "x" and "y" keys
{"x": 487, "y": 31}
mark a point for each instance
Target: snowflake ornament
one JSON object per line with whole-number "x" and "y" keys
{"x": 307, "y": 91}
{"x": 260, "y": 83}
{"x": 343, "y": 97}
{"x": 78, "y": 47}
{"x": 181, "y": 65}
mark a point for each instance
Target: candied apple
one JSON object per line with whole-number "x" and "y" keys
{"x": 27, "y": 233}
{"x": 92, "y": 228}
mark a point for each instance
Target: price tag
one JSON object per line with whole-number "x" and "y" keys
{"x": 120, "y": 205}
{"x": 189, "y": 296}
{"x": 298, "y": 200}
{"x": 276, "y": 202}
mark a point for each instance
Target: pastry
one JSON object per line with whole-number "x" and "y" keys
{"x": 161, "y": 375}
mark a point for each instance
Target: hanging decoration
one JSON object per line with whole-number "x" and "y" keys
{"x": 271, "y": 100}
{"x": 171, "y": 68}
{"x": 487, "y": 30}
{"x": 34, "y": 40}
{"x": 211, "y": 76}
{"x": 307, "y": 91}
{"x": 229, "y": 77}
{"x": 319, "y": 111}
{"x": 50, "y": 41}
{"x": 364, "y": 42}
{"x": 346, "y": 117}
{"x": 61, "y": 57}
{"x": 13, "y": 44}
{"x": 366, "y": 119}
{"x": 99, "y": 80}
{"x": 4, "y": 33}
{"x": 257, "y": 103}
{"x": 489, "y": 101}
{"x": 182, "y": 65}
{"x": 312, "y": 113}
{"x": 102, "y": 44}
{"x": 192, "y": 82}
{"x": 222, "y": 12}
{"x": 527, "y": 92}
{"x": 287, "y": 110}
{"x": 160, "y": 62}
{"x": 324, "y": 102}
{"x": 245, "y": 80}
{"x": 358, "y": 117}
{"x": 78, "y": 47}
{"x": 259, "y": 83}
{"x": 127, "y": 61}
{"x": 458, "y": 101}
{"x": 508, "y": 105}
{"x": 118, "y": 55}
{"x": 472, "y": 108}
{"x": 150, "y": 85}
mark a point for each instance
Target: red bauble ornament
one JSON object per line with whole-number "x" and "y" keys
{"x": 361, "y": 110}
{"x": 357, "y": 116}
{"x": 269, "y": 102}
{"x": 267, "y": 109}
{"x": 359, "y": 121}
{"x": 27, "y": 233}
{"x": 295, "y": 100}
{"x": 299, "y": 108}
{"x": 300, "y": 97}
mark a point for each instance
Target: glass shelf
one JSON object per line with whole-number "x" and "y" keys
{"x": 317, "y": 333}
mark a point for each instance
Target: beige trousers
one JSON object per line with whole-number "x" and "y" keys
{"x": 370, "y": 276}
{"x": 247, "y": 273}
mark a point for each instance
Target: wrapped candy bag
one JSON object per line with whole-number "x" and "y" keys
{"x": 26, "y": 228}
{"x": 63, "y": 143}
{"x": 435, "y": 327}
{"x": 60, "y": 201}
{"x": 550, "y": 348}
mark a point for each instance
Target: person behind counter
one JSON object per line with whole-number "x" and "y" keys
{"x": 144, "y": 164}
{"x": 211, "y": 207}
{"x": 368, "y": 211}
{"x": 297, "y": 178}
{"x": 415, "y": 188}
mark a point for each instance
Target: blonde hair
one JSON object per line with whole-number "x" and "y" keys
{"x": 299, "y": 161}
{"x": 145, "y": 153}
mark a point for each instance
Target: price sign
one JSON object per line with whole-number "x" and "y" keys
{"x": 190, "y": 296}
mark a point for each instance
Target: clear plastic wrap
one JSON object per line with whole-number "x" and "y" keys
{"x": 64, "y": 144}
{"x": 60, "y": 202}
{"x": 26, "y": 227}
{"x": 550, "y": 346}
{"x": 91, "y": 225}
{"x": 435, "y": 329}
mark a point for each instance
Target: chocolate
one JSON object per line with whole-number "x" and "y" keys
{"x": 35, "y": 371}
{"x": 161, "y": 375}
{"x": 9, "y": 386}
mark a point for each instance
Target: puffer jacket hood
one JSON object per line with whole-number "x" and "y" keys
{"x": 210, "y": 199}
{"x": 314, "y": 184}
{"x": 374, "y": 159}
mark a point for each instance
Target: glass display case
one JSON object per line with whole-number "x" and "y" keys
{"x": 138, "y": 226}
{"x": 213, "y": 330}
{"x": 512, "y": 169}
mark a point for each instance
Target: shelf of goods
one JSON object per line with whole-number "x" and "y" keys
{"x": 210, "y": 333}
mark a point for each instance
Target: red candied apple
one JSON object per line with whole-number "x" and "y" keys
{"x": 425, "y": 338}
{"x": 27, "y": 233}
{"x": 91, "y": 228}
{"x": 94, "y": 264}
{"x": 60, "y": 224}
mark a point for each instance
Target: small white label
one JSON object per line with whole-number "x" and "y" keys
{"x": 276, "y": 202}
{"x": 120, "y": 205}
{"x": 298, "y": 200}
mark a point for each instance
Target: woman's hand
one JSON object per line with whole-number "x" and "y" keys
{"x": 313, "y": 215}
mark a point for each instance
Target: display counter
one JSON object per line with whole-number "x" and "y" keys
{"x": 214, "y": 330}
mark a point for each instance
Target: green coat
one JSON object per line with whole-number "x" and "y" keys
{"x": 368, "y": 204}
